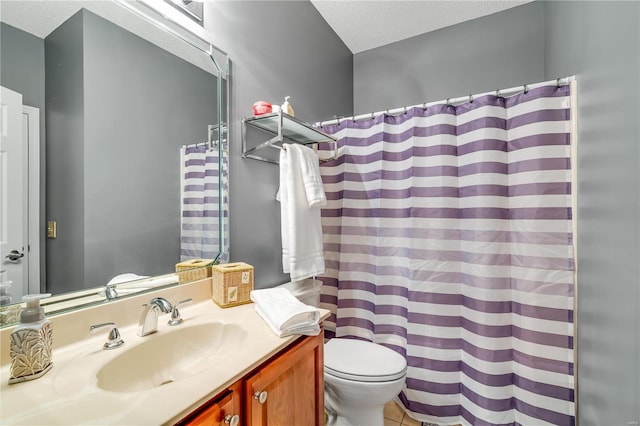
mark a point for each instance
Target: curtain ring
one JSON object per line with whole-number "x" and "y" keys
{"x": 448, "y": 103}
{"x": 372, "y": 116}
{"x": 526, "y": 89}
{"x": 558, "y": 83}
{"x": 470, "y": 99}
{"x": 405, "y": 110}
{"x": 424, "y": 106}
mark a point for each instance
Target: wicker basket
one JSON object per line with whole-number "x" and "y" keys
{"x": 232, "y": 284}
{"x": 193, "y": 270}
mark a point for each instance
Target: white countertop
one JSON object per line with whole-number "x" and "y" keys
{"x": 68, "y": 394}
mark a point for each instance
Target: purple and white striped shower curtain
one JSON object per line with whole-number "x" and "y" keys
{"x": 200, "y": 224}
{"x": 448, "y": 238}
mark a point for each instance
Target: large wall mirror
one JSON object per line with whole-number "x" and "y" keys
{"x": 119, "y": 172}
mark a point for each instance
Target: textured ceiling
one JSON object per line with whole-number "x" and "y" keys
{"x": 367, "y": 24}
{"x": 41, "y": 17}
{"x": 361, "y": 24}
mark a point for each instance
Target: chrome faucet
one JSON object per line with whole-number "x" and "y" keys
{"x": 148, "y": 323}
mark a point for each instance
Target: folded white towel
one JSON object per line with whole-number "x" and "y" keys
{"x": 126, "y": 277}
{"x": 301, "y": 195}
{"x": 285, "y": 314}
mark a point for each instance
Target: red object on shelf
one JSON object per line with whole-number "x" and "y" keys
{"x": 261, "y": 107}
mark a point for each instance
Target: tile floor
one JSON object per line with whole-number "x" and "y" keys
{"x": 395, "y": 416}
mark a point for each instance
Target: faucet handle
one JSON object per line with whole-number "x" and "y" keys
{"x": 176, "y": 319}
{"x": 110, "y": 292}
{"x": 114, "y": 340}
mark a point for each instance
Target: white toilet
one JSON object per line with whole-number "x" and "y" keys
{"x": 359, "y": 379}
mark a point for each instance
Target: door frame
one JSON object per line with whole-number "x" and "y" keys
{"x": 31, "y": 126}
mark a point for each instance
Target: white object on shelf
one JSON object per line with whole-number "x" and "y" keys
{"x": 286, "y": 107}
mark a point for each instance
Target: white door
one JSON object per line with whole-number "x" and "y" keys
{"x": 13, "y": 193}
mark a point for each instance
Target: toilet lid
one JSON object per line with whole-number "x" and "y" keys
{"x": 362, "y": 361}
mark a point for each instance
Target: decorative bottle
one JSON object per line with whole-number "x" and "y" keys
{"x": 286, "y": 107}
{"x": 31, "y": 342}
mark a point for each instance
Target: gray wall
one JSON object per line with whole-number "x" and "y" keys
{"x": 22, "y": 59}
{"x": 278, "y": 48}
{"x": 65, "y": 156}
{"x": 599, "y": 42}
{"x": 141, "y": 104}
{"x": 120, "y": 108}
{"x": 497, "y": 51}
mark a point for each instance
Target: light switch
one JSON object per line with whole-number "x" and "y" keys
{"x": 52, "y": 229}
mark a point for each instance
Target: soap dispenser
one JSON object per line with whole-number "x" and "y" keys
{"x": 31, "y": 342}
{"x": 5, "y": 296}
{"x": 9, "y": 313}
{"x": 286, "y": 106}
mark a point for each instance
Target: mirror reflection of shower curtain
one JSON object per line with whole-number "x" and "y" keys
{"x": 200, "y": 221}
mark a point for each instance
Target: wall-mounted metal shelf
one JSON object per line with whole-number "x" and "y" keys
{"x": 284, "y": 128}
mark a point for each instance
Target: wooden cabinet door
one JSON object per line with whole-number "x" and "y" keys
{"x": 224, "y": 410}
{"x": 289, "y": 390}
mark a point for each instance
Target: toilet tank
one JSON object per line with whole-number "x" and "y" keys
{"x": 307, "y": 291}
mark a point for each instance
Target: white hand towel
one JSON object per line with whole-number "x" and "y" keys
{"x": 308, "y": 161}
{"x": 285, "y": 314}
{"x": 301, "y": 196}
{"x": 283, "y": 197}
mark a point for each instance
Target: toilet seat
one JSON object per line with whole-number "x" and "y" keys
{"x": 362, "y": 361}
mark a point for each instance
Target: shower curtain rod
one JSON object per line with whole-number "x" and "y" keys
{"x": 451, "y": 101}
{"x": 210, "y": 142}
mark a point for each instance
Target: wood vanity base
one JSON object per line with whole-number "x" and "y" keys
{"x": 288, "y": 389}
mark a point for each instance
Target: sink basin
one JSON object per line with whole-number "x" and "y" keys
{"x": 166, "y": 357}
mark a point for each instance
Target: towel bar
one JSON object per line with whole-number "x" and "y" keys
{"x": 283, "y": 127}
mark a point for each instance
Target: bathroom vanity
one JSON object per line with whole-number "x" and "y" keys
{"x": 221, "y": 365}
{"x": 287, "y": 389}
